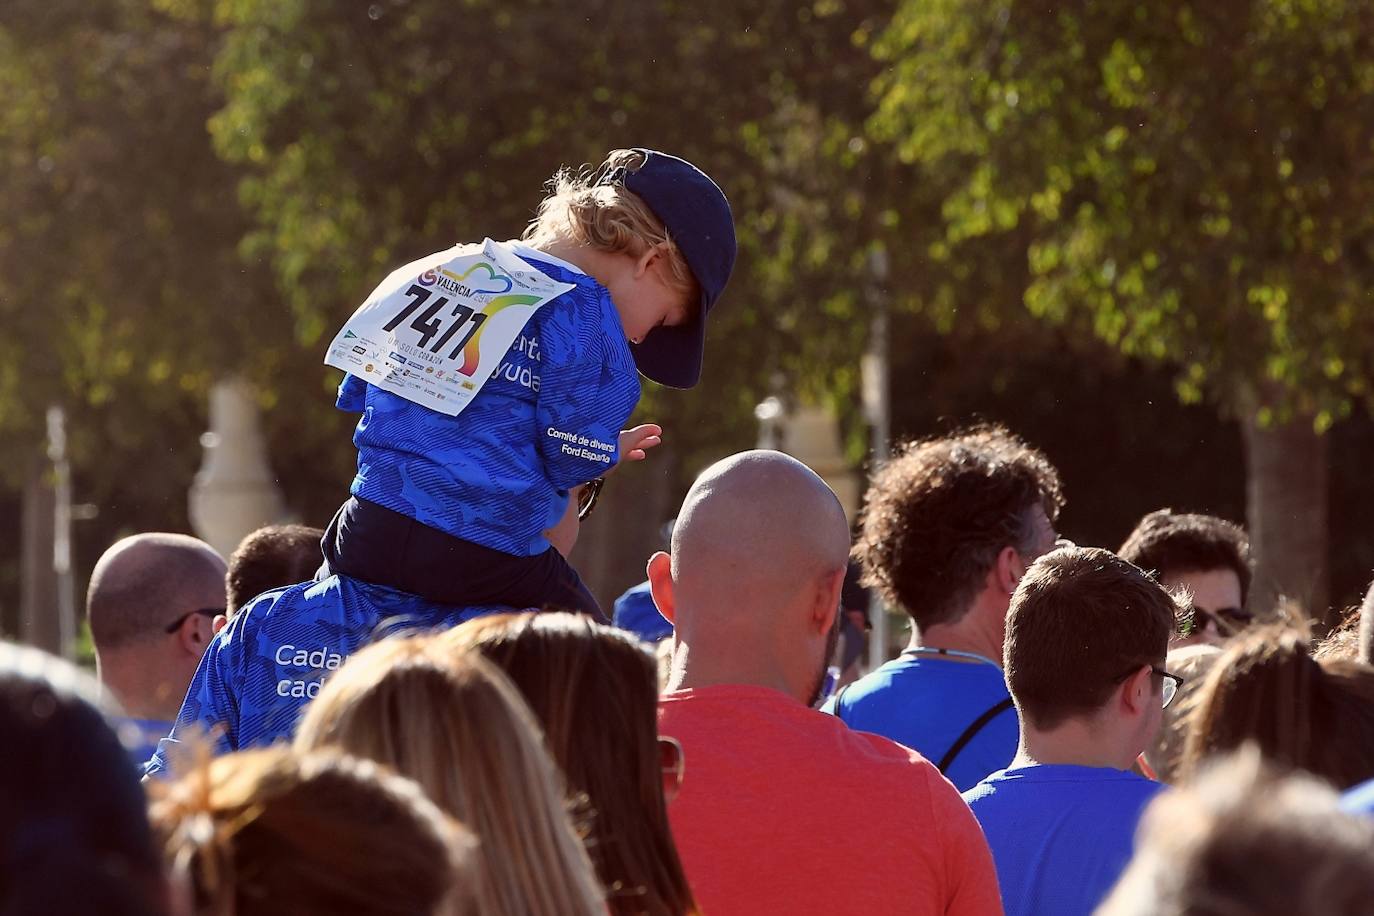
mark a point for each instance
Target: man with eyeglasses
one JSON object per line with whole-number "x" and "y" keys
{"x": 1208, "y": 557}
{"x": 1087, "y": 635}
{"x": 278, "y": 649}
{"x": 151, "y": 603}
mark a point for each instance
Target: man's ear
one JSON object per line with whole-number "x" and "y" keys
{"x": 660, "y": 570}
{"x": 1138, "y": 691}
{"x": 1008, "y": 569}
{"x": 194, "y": 634}
{"x": 826, "y": 606}
{"x": 220, "y": 622}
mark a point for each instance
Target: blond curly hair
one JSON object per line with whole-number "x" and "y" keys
{"x": 607, "y": 216}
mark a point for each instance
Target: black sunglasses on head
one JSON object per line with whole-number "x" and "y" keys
{"x": 587, "y": 496}
{"x": 211, "y": 612}
{"x": 1227, "y": 620}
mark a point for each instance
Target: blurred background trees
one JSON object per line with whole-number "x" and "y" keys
{"x": 1138, "y": 234}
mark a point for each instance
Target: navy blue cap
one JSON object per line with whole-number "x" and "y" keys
{"x": 698, "y": 218}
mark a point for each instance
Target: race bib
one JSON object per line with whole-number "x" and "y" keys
{"x": 435, "y": 330}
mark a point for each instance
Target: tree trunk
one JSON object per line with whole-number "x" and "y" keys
{"x": 1286, "y": 504}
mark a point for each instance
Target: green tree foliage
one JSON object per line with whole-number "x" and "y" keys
{"x": 372, "y": 134}
{"x": 121, "y": 293}
{"x": 1188, "y": 181}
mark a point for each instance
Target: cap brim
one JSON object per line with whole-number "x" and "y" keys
{"x": 672, "y": 356}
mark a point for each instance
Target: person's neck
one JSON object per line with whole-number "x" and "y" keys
{"x": 141, "y": 687}
{"x": 592, "y": 262}
{"x": 979, "y": 631}
{"x": 693, "y": 671}
{"x": 1074, "y": 742}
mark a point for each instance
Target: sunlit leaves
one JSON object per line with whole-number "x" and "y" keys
{"x": 1192, "y": 187}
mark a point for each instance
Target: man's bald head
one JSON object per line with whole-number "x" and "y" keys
{"x": 145, "y": 582}
{"x": 758, "y": 526}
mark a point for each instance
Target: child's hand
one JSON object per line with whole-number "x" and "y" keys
{"x": 635, "y": 442}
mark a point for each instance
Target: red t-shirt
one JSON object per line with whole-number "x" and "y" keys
{"x": 783, "y": 809}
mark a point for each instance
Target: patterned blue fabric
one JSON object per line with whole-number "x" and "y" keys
{"x": 496, "y": 475}
{"x": 271, "y": 659}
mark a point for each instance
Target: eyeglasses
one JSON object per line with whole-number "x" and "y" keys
{"x": 673, "y": 765}
{"x": 587, "y": 496}
{"x": 1171, "y": 682}
{"x": 1227, "y": 621}
{"x": 210, "y": 612}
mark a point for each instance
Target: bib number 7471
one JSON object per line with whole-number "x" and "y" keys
{"x": 434, "y": 331}
{"x": 429, "y": 324}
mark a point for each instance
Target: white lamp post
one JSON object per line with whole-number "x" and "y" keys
{"x": 234, "y": 492}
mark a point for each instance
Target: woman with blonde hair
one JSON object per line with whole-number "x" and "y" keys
{"x": 594, "y": 688}
{"x": 457, "y": 727}
{"x": 271, "y": 831}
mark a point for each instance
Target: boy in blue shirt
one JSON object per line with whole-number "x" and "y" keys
{"x": 454, "y": 507}
{"x": 1087, "y": 635}
{"x": 493, "y": 382}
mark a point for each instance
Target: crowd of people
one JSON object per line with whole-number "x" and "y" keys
{"x": 421, "y": 709}
{"x": 537, "y": 762}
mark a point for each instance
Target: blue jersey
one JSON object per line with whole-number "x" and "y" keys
{"x": 261, "y": 669}
{"x": 498, "y": 474}
{"x": 926, "y": 703}
{"x": 1060, "y": 835}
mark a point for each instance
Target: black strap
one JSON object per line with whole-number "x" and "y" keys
{"x": 839, "y": 713}
{"x": 969, "y": 733}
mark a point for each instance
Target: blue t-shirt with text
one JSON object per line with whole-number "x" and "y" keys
{"x": 926, "y": 702}
{"x": 498, "y": 474}
{"x": 1060, "y": 835}
{"x": 261, "y": 670}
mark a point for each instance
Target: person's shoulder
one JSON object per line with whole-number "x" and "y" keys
{"x": 886, "y": 677}
{"x": 1087, "y": 784}
{"x": 409, "y": 271}
{"x": 881, "y": 758}
{"x": 268, "y": 604}
{"x": 581, "y": 325}
{"x": 955, "y": 684}
{"x": 985, "y": 788}
{"x": 288, "y": 605}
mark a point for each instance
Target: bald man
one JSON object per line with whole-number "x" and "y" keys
{"x": 152, "y": 602}
{"x": 276, "y": 652}
{"x": 777, "y": 793}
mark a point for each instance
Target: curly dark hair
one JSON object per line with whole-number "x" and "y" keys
{"x": 938, "y": 513}
{"x": 1167, "y": 542}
